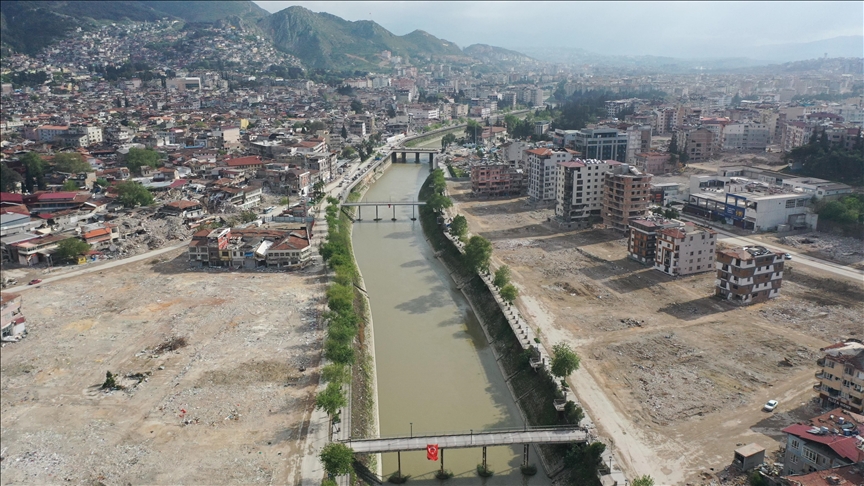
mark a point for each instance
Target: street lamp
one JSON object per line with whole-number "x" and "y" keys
{"x": 412, "y": 429}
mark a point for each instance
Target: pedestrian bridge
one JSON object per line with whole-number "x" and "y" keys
{"x": 542, "y": 435}
{"x": 389, "y": 204}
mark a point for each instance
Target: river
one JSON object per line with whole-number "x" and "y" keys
{"x": 435, "y": 370}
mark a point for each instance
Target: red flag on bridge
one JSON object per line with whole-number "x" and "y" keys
{"x": 432, "y": 452}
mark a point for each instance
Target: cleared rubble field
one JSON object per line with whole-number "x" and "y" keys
{"x": 675, "y": 361}
{"x": 218, "y": 371}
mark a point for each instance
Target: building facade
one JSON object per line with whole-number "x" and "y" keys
{"x": 579, "y": 191}
{"x": 626, "y": 195}
{"x": 685, "y": 250}
{"x": 601, "y": 144}
{"x": 841, "y": 379}
{"x": 748, "y": 275}
{"x": 642, "y": 237}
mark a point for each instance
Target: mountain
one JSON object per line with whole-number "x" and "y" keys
{"x": 845, "y": 46}
{"x": 325, "y": 41}
{"x": 487, "y": 53}
{"x": 29, "y": 26}
{"x": 208, "y": 12}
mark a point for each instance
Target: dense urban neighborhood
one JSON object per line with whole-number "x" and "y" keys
{"x": 648, "y": 255}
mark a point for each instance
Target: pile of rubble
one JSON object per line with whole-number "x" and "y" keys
{"x": 842, "y": 249}
{"x": 141, "y": 235}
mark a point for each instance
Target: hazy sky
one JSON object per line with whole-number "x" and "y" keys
{"x": 679, "y": 29}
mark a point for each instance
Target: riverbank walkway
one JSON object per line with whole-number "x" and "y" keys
{"x": 546, "y": 435}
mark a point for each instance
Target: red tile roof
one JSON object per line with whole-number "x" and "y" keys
{"x": 843, "y": 445}
{"x": 242, "y": 161}
{"x": 8, "y": 197}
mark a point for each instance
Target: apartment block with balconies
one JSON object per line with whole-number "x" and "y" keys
{"x": 748, "y": 275}
{"x": 685, "y": 250}
{"x": 841, "y": 378}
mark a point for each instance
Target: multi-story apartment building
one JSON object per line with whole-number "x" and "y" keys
{"x": 697, "y": 143}
{"x": 746, "y": 136}
{"x": 748, "y": 275}
{"x": 642, "y": 237}
{"x": 541, "y": 168}
{"x": 626, "y": 195}
{"x": 685, "y": 250}
{"x": 638, "y": 141}
{"x": 824, "y": 442}
{"x": 601, "y": 143}
{"x": 579, "y": 192}
{"x": 841, "y": 380}
{"x": 495, "y": 180}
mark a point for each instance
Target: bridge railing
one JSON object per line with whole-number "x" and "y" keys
{"x": 504, "y": 430}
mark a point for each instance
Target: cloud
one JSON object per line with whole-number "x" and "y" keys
{"x": 681, "y": 29}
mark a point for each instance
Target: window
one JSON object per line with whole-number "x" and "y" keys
{"x": 809, "y": 455}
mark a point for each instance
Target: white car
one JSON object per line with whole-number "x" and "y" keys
{"x": 770, "y": 406}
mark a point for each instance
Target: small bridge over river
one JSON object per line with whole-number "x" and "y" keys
{"x": 389, "y": 204}
{"x": 404, "y": 151}
{"x": 484, "y": 439}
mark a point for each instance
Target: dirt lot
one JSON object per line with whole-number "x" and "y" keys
{"x": 231, "y": 406}
{"x": 674, "y": 361}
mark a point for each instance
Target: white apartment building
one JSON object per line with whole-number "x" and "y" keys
{"x": 94, "y": 134}
{"x": 542, "y": 170}
{"x": 685, "y": 250}
{"x": 579, "y": 190}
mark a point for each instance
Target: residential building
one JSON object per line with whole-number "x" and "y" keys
{"x": 852, "y": 475}
{"x": 748, "y": 275}
{"x": 638, "y": 141}
{"x": 653, "y": 162}
{"x": 184, "y": 209}
{"x": 698, "y": 143}
{"x": 746, "y": 136}
{"x": 36, "y": 250}
{"x": 251, "y": 248}
{"x": 685, "y": 250}
{"x": 601, "y": 143}
{"x": 827, "y": 441}
{"x": 48, "y": 133}
{"x": 541, "y": 165}
{"x": 642, "y": 237}
{"x": 12, "y": 320}
{"x": 841, "y": 380}
{"x": 579, "y": 191}
{"x": 496, "y": 180}
{"x": 626, "y": 195}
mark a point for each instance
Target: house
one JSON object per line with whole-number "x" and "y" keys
{"x": 653, "y": 162}
{"x": 841, "y": 379}
{"x": 642, "y": 237}
{"x": 184, "y": 209}
{"x": 749, "y": 456}
{"x": 37, "y": 250}
{"x": 44, "y": 202}
{"x": 251, "y": 162}
{"x": 251, "y": 248}
{"x": 827, "y": 441}
{"x": 836, "y": 476}
{"x": 748, "y": 275}
{"x": 11, "y": 317}
{"x": 685, "y": 250}
{"x": 100, "y": 234}
{"x": 495, "y": 180}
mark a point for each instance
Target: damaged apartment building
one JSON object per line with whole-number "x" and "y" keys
{"x": 673, "y": 247}
{"x": 251, "y": 248}
{"x": 748, "y": 275}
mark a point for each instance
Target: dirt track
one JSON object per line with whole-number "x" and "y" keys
{"x": 239, "y": 379}
{"x": 672, "y": 360}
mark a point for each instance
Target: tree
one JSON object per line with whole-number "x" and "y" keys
{"x": 391, "y": 113}
{"x": 356, "y": 106}
{"x": 137, "y": 158}
{"x": 331, "y": 399}
{"x": 248, "y": 216}
{"x": 502, "y": 276}
{"x": 102, "y": 182}
{"x": 335, "y": 372}
{"x": 71, "y": 163}
{"x": 478, "y": 251}
{"x": 447, "y": 139}
{"x": 70, "y": 248}
{"x": 34, "y": 171}
{"x": 70, "y": 186}
{"x": 348, "y": 152}
{"x": 9, "y": 179}
{"x": 673, "y": 144}
{"x": 645, "y": 480}
{"x": 344, "y": 132}
{"x": 337, "y": 458}
{"x": 459, "y": 226}
{"x": 473, "y": 130}
{"x": 437, "y": 202}
{"x": 509, "y": 293}
{"x": 564, "y": 361}
{"x": 131, "y": 194}
{"x": 318, "y": 189}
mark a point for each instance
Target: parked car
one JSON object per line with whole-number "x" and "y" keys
{"x": 35, "y": 281}
{"x": 787, "y": 256}
{"x": 770, "y": 406}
